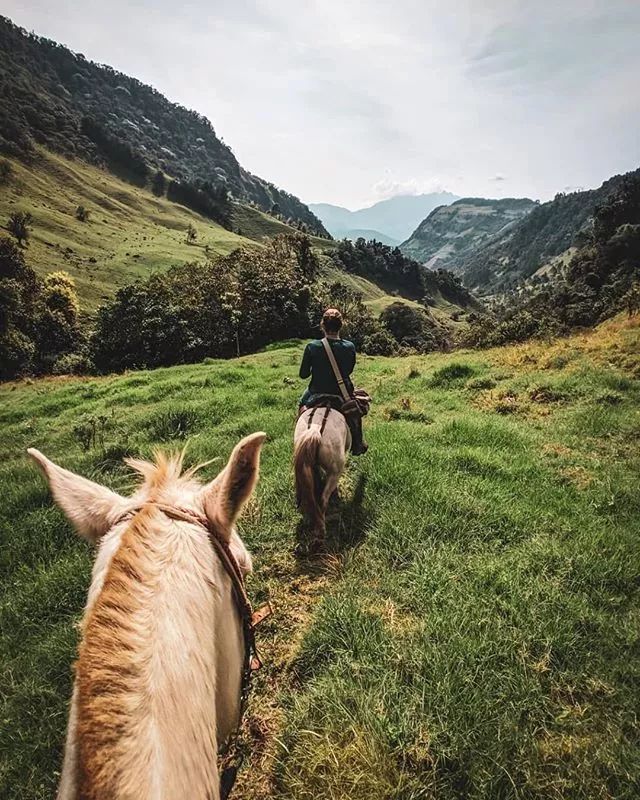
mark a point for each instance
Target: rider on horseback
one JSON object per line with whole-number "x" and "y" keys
{"x": 316, "y": 363}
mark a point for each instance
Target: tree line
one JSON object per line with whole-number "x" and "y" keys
{"x": 226, "y": 307}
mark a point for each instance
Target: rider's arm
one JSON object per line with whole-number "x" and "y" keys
{"x": 352, "y": 360}
{"x": 305, "y": 366}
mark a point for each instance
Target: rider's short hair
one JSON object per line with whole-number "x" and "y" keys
{"x": 331, "y": 320}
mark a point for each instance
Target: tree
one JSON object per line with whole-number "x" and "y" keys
{"x": 82, "y": 214}
{"x": 6, "y": 171}
{"x": 192, "y": 234}
{"x": 58, "y": 329}
{"x": 38, "y": 319}
{"x": 19, "y": 225}
{"x": 159, "y": 184}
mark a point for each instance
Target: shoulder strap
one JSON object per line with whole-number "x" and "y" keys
{"x": 336, "y": 370}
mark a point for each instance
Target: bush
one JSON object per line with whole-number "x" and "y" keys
{"x": 6, "y": 172}
{"x": 19, "y": 225}
{"x": 451, "y": 373}
{"x": 159, "y": 184}
{"x": 379, "y": 343}
{"x": 82, "y": 214}
{"x": 72, "y": 364}
{"x": 17, "y": 353}
{"x": 413, "y": 328}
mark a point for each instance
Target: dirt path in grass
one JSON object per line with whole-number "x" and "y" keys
{"x": 295, "y": 587}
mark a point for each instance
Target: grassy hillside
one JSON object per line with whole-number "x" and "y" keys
{"x": 130, "y": 232}
{"x": 473, "y": 629}
{"x": 377, "y": 299}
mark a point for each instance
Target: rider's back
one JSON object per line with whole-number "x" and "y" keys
{"x": 316, "y": 364}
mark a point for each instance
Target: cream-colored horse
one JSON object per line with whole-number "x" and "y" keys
{"x": 158, "y": 676}
{"x": 319, "y": 449}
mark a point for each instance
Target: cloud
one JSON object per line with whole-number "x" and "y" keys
{"x": 388, "y": 187}
{"x": 498, "y": 178}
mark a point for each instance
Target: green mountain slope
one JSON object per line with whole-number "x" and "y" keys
{"x": 49, "y": 93}
{"x": 452, "y": 232}
{"x": 549, "y": 231}
{"x": 130, "y": 233}
{"x": 481, "y": 575}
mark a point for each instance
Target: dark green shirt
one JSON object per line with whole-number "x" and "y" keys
{"x": 315, "y": 363}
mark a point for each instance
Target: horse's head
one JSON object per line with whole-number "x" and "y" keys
{"x": 94, "y": 509}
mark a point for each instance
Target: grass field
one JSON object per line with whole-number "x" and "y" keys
{"x": 473, "y": 630}
{"x": 130, "y": 232}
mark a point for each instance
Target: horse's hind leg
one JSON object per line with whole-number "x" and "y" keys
{"x": 330, "y": 486}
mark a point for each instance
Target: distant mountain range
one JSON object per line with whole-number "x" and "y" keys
{"x": 57, "y": 98}
{"x": 394, "y": 219}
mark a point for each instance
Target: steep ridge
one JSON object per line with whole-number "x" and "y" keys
{"x": 450, "y": 233}
{"x": 498, "y": 245}
{"x": 537, "y": 241}
{"x": 54, "y": 97}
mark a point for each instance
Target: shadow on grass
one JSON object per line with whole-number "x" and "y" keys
{"x": 347, "y": 521}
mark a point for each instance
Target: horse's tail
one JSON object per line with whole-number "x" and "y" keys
{"x": 305, "y": 462}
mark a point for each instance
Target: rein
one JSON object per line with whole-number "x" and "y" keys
{"x": 230, "y": 752}
{"x": 327, "y": 409}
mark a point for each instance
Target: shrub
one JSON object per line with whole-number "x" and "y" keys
{"x": 82, "y": 214}
{"x": 159, "y": 184}
{"x": 379, "y": 343}
{"x": 72, "y": 364}
{"x": 19, "y": 225}
{"x": 6, "y": 172}
{"x": 451, "y": 373}
{"x": 413, "y": 327}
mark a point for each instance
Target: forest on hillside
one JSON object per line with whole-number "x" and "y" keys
{"x": 602, "y": 278}
{"x": 54, "y": 97}
{"x": 547, "y": 231}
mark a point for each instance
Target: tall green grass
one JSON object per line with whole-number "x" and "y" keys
{"x": 473, "y": 632}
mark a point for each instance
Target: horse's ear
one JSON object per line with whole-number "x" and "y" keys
{"x": 91, "y": 508}
{"x": 224, "y": 497}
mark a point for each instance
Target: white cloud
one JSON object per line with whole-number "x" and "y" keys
{"x": 388, "y": 187}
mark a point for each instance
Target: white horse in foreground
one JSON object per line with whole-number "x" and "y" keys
{"x": 321, "y": 442}
{"x": 159, "y": 670}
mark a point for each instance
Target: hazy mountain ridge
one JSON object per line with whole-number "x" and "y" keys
{"x": 395, "y": 217}
{"x": 452, "y": 232}
{"x": 47, "y": 92}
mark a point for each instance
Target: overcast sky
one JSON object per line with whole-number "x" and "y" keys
{"x": 351, "y": 101}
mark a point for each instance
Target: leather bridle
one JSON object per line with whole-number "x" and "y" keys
{"x": 229, "y": 752}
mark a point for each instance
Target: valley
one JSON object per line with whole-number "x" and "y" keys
{"x": 469, "y": 631}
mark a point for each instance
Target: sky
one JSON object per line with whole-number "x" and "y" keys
{"x": 353, "y": 101}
